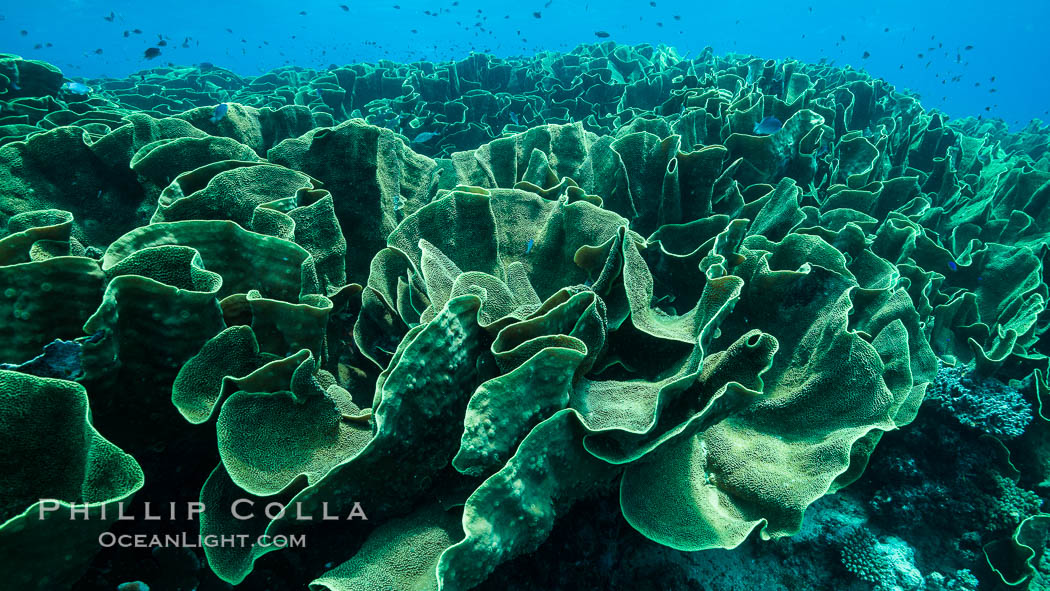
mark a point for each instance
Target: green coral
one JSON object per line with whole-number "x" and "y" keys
{"x": 48, "y": 420}
{"x": 401, "y": 554}
{"x": 1019, "y": 559}
{"x": 576, "y": 274}
{"x": 1010, "y": 505}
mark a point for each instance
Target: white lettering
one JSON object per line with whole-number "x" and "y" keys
{"x": 236, "y": 515}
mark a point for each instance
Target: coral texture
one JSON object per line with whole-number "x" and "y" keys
{"x": 475, "y": 299}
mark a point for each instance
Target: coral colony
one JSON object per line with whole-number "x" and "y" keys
{"x": 582, "y": 320}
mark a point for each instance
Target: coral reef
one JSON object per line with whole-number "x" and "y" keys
{"x": 888, "y": 564}
{"x": 569, "y": 312}
{"x": 981, "y": 403}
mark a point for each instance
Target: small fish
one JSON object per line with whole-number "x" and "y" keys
{"x": 514, "y": 117}
{"x": 219, "y": 113}
{"x": 317, "y": 91}
{"x": 866, "y": 55}
{"x": 953, "y": 266}
{"x": 76, "y": 88}
{"x": 601, "y": 34}
{"x": 344, "y": 7}
{"x": 768, "y": 126}
{"x": 152, "y": 52}
{"x": 424, "y": 137}
{"x": 528, "y": 246}
{"x": 110, "y": 17}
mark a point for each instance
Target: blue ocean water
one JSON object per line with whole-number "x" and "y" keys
{"x": 964, "y": 57}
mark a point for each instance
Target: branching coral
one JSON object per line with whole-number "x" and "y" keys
{"x": 889, "y": 565}
{"x": 981, "y": 403}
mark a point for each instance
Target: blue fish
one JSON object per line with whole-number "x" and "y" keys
{"x": 514, "y": 117}
{"x": 424, "y": 137}
{"x": 60, "y": 359}
{"x": 768, "y": 126}
{"x": 953, "y": 266}
{"x": 528, "y": 246}
{"x": 220, "y": 112}
{"x": 318, "y": 92}
{"x": 76, "y": 88}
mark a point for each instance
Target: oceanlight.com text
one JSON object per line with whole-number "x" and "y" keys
{"x": 185, "y": 540}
